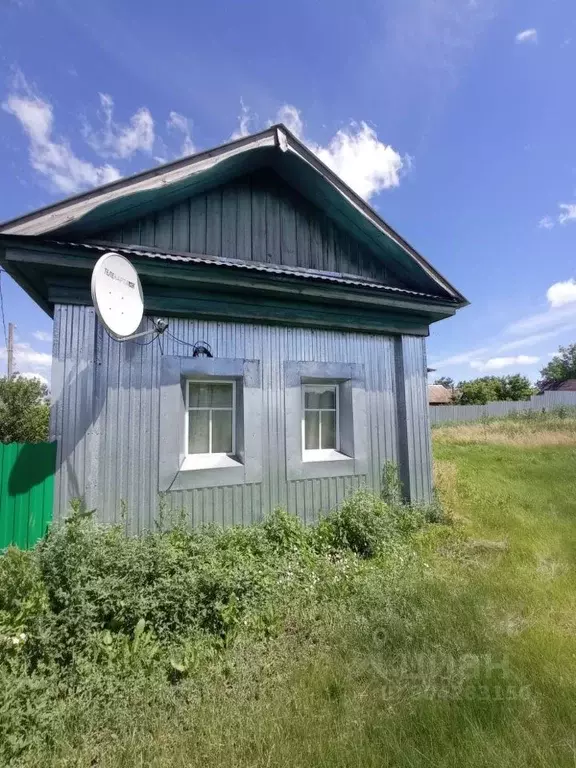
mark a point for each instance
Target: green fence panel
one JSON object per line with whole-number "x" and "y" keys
{"x": 26, "y": 492}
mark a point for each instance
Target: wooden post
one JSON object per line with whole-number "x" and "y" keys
{"x": 10, "y": 350}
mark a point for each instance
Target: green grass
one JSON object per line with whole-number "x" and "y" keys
{"x": 455, "y": 646}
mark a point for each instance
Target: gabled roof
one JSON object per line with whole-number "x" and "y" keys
{"x": 438, "y": 394}
{"x": 569, "y": 385}
{"x": 78, "y": 217}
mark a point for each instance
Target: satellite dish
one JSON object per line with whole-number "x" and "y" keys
{"x": 117, "y": 294}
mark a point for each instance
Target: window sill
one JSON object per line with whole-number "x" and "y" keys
{"x": 326, "y": 454}
{"x": 195, "y": 461}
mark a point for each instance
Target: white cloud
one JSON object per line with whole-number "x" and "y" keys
{"x": 42, "y": 335}
{"x": 560, "y": 315}
{"x": 26, "y": 356}
{"x": 364, "y": 162}
{"x": 38, "y": 376}
{"x": 418, "y": 51}
{"x": 122, "y": 141}
{"x": 546, "y": 222}
{"x": 562, "y": 293}
{"x": 499, "y": 363}
{"x": 49, "y": 156}
{"x": 462, "y": 357}
{"x": 355, "y": 152}
{"x": 290, "y": 116}
{"x": 178, "y": 122}
{"x": 245, "y": 120}
{"x": 542, "y": 321}
{"x": 535, "y": 338}
{"x": 568, "y": 212}
{"x": 527, "y": 36}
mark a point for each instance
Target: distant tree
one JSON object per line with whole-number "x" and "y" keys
{"x": 24, "y": 410}
{"x": 477, "y": 391}
{"x": 445, "y": 381}
{"x": 515, "y": 387}
{"x": 561, "y": 367}
{"x": 488, "y": 388}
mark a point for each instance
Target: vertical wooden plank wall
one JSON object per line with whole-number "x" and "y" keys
{"x": 256, "y": 218}
{"x": 110, "y": 449}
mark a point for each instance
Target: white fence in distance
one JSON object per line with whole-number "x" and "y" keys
{"x": 545, "y": 402}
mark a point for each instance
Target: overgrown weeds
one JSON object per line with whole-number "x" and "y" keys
{"x": 375, "y": 639}
{"x": 91, "y": 610}
{"x": 528, "y": 429}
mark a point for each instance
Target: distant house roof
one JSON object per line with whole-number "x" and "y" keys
{"x": 563, "y": 386}
{"x": 439, "y": 395}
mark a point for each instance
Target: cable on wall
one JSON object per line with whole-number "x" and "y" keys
{"x": 200, "y": 348}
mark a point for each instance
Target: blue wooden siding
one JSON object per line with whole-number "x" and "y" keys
{"x": 256, "y": 218}
{"x": 106, "y": 412}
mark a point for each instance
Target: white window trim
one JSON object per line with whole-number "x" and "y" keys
{"x": 324, "y": 454}
{"x": 321, "y": 454}
{"x": 209, "y": 460}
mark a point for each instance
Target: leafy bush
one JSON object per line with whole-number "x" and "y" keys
{"x": 91, "y": 610}
{"x": 23, "y": 601}
{"x": 366, "y": 524}
{"x": 24, "y": 410}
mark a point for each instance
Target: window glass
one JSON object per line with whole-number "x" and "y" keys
{"x": 328, "y": 429}
{"x": 207, "y": 395}
{"x": 199, "y": 431}
{"x": 198, "y": 395}
{"x": 210, "y": 417}
{"x": 320, "y": 417}
{"x": 222, "y": 431}
{"x": 320, "y": 398}
{"x": 312, "y": 430}
{"x": 221, "y": 396}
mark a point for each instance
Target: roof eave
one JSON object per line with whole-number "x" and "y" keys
{"x": 45, "y": 218}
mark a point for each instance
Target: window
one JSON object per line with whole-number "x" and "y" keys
{"x": 211, "y": 417}
{"x": 210, "y": 404}
{"x": 325, "y": 419}
{"x": 320, "y": 427}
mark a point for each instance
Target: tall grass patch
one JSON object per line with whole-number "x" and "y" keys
{"x": 373, "y": 639}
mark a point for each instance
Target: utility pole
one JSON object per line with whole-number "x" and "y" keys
{"x": 10, "y": 349}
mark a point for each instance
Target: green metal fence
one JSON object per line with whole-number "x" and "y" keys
{"x": 26, "y": 492}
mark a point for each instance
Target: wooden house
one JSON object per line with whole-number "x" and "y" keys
{"x": 294, "y": 363}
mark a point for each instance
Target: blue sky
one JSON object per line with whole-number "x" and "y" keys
{"x": 454, "y": 118}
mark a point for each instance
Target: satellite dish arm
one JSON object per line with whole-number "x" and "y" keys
{"x": 159, "y": 327}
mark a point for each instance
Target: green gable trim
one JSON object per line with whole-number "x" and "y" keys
{"x": 238, "y": 308}
{"x": 49, "y": 266}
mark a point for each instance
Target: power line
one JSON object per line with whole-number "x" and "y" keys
{"x": 2, "y": 312}
{"x": 10, "y": 350}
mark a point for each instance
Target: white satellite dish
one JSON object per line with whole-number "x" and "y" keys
{"x": 117, "y": 295}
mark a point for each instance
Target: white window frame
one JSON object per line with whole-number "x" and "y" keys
{"x": 321, "y": 454}
{"x": 210, "y": 459}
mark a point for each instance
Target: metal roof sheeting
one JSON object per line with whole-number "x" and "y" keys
{"x": 296, "y": 272}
